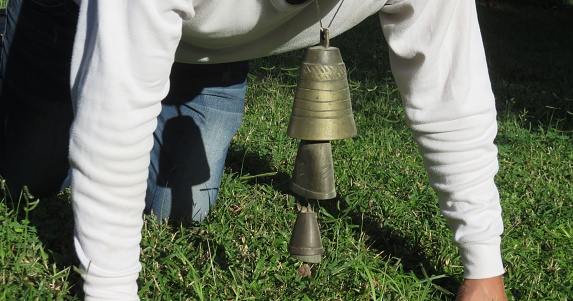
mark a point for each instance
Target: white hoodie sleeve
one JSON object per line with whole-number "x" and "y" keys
{"x": 121, "y": 62}
{"x": 438, "y": 62}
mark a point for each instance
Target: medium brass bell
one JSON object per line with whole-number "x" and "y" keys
{"x": 313, "y": 174}
{"x": 305, "y": 243}
{"x": 322, "y": 109}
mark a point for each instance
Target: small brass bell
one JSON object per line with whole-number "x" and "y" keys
{"x": 322, "y": 109}
{"x": 305, "y": 243}
{"x": 313, "y": 175}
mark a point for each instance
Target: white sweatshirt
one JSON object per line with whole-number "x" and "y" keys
{"x": 120, "y": 72}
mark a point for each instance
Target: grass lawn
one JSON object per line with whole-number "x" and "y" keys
{"x": 384, "y": 236}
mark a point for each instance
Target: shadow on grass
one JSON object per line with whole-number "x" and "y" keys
{"x": 54, "y": 223}
{"x": 530, "y": 62}
{"x": 393, "y": 244}
{"x": 256, "y": 168}
{"x": 381, "y": 239}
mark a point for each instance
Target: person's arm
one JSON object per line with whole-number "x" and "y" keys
{"x": 438, "y": 62}
{"x": 121, "y": 62}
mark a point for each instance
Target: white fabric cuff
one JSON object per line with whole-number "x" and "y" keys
{"x": 102, "y": 285}
{"x": 482, "y": 260}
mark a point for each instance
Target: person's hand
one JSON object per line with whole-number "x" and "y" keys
{"x": 482, "y": 290}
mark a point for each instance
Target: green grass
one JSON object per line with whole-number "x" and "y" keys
{"x": 384, "y": 236}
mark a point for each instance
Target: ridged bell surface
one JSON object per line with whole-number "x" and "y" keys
{"x": 322, "y": 109}
{"x": 313, "y": 174}
{"x": 305, "y": 243}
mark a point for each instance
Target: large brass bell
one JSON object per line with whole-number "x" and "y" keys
{"x": 322, "y": 109}
{"x": 305, "y": 243}
{"x": 313, "y": 175}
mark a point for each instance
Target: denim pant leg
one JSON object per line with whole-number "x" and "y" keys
{"x": 35, "y": 101}
{"x": 199, "y": 117}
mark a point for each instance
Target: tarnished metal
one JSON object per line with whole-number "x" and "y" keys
{"x": 313, "y": 175}
{"x": 322, "y": 109}
{"x": 305, "y": 243}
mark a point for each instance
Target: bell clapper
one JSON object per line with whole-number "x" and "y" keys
{"x": 303, "y": 205}
{"x": 306, "y": 206}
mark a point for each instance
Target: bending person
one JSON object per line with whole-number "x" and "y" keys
{"x": 121, "y": 67}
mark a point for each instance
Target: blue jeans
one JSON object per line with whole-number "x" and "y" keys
{"x": 199, "y": 117}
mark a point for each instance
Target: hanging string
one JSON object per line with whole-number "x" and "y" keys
{"x": 324, "y": 32}
{"x": 334, "y": 16}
